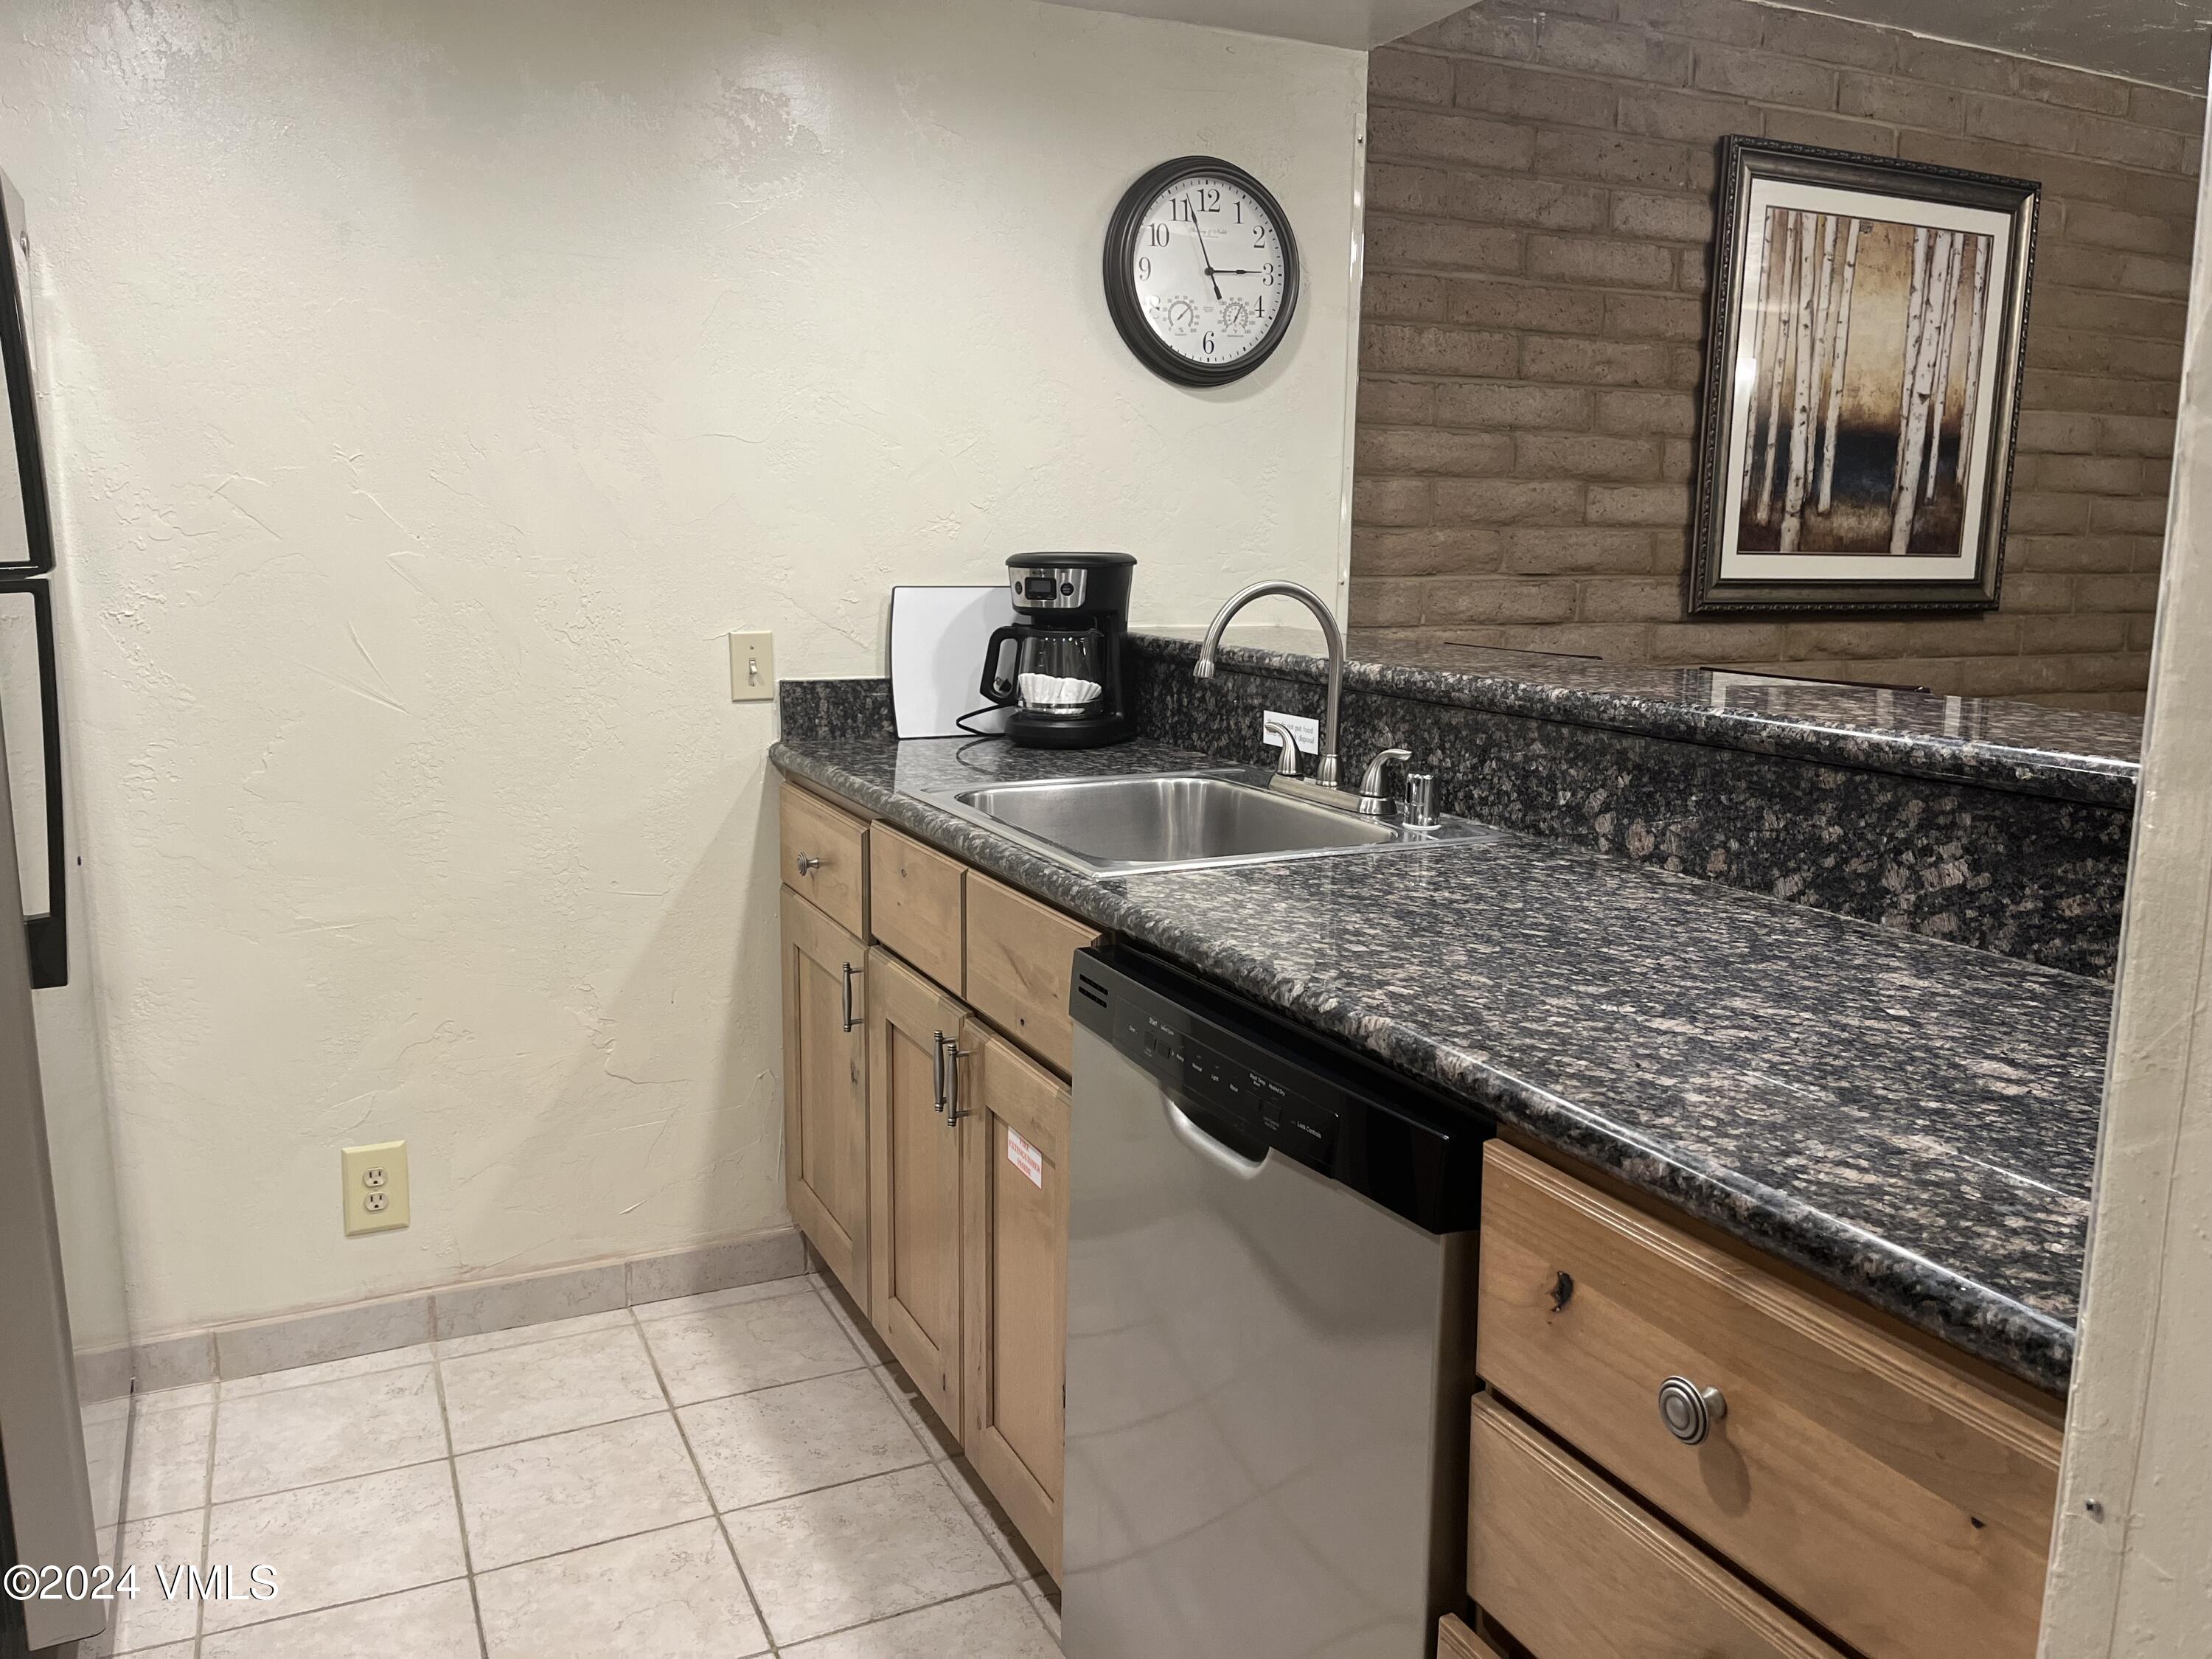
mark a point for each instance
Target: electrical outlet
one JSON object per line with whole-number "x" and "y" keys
{"x": 1303, "y": 728}
{"x": 752, "y": 667}
{"x": 375, "y": 1194}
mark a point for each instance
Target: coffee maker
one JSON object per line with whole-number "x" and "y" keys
{"x": 1064, "y": 681}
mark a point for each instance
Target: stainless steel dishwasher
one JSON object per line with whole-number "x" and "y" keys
{"x": 1269, "y": 1358}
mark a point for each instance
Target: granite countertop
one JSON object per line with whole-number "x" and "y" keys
{"x": 2069, "y": 754}
{"x": 1911, "y": 1121}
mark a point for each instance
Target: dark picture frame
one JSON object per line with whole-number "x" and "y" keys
{"x": 1801, "y": 505}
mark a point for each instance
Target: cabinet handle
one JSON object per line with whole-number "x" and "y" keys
{"x": 851, "y": 1021}
{"x": 1688, "y": 1411}
{"x": 949, "y": 1053}
{"x": 808, "y": 864}
{"x": 954, "y": 1111}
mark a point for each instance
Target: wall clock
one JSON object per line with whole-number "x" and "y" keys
{"x": 1201, "y": 271}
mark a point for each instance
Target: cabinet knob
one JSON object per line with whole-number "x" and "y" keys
{"x": 808, "y": 864}
{"x": 1688, "y": 1411}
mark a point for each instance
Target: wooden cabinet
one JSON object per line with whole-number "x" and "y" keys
{"x": 825, "y": 857}
{"x": 825, "y": 1104}
{"x": 1014, "y": 1261}
{"x": 1574, "y": 1570}
{"x": 914, "y": 904}
{"x": 1020, "y": 968}
{"x": 926, "y": 1149}
{"x": 1896, "y": 1501}
{"x": 916, "y": 1073}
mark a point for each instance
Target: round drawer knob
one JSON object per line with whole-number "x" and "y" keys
{"x": 1688, "y": 1411}
{"x": 808, "y": 864}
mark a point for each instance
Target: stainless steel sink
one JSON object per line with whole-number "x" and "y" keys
{"x": 1178, "y": 820}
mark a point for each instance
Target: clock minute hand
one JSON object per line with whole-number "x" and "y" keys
{"x": 1208, "y": 258}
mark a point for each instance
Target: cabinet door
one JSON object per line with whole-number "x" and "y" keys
{"x": 916, "y": 1071}
{"x": 825, "y": 1099}
{"x": 1015, "y": 1265}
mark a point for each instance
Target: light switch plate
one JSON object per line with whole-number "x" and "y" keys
{"x": 752, "y": 667}
{"x": 375, "y": 1186}
{"x": 1303, "y": 727}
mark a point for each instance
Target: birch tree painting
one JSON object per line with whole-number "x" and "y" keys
{"x": 1868, "y": 341}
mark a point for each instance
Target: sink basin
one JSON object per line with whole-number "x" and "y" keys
{"x": 1172, "y": 821}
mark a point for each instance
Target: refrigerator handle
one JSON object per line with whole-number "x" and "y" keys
{"x": 47, "y": 935}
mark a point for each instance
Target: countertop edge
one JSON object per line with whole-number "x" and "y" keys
{"x": 2087, "y": 780}
{"x": 1968, "y": 1315}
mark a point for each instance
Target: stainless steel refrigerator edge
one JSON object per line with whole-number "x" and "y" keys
{"x": 66, "y": 1358}
{"x": 1268, "y": 1379}
{"x": 41, "y": 1434}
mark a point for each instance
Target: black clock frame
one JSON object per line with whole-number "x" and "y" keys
{"x": 1127, "y": 310}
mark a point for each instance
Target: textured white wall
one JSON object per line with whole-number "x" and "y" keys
{"x": 436, "y": 382}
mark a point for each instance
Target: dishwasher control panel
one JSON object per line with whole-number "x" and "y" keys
{"x": 1260, "y": 1085}
{"x": 1224, "y": 1085}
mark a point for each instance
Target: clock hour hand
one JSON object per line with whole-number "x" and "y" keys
{"x": 1207, "y": 256}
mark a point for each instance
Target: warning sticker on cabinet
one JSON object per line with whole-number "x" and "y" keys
{"x": 1025, "y": 1157}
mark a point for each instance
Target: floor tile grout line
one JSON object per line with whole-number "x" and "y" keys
{"x": 329, "y": 1481}
{"x": 328, "y": 1607}
{"x": 740, "y": 1394}
{"x": 207, "y": 1516}
{"x": 436, "y": 1359}
{"x": 699, "y": 1474}
{"x": 523, "y": 1440}
{"x": 925, "y": 1606}
{"x": 1017, "y": 1567}
{"x": 460, "y": 1511}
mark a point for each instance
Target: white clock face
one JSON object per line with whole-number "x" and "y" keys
{"x": 1208, "y": 269}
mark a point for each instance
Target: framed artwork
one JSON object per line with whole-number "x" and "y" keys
{"x": 1862, "y": 382}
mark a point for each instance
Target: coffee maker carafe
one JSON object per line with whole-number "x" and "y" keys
{"x": 1060, "y": 667}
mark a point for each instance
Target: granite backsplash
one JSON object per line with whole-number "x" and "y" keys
{"x": 2031, "y": 873}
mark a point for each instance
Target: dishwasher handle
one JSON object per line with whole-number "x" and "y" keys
{"x": 1189, "y": 1131}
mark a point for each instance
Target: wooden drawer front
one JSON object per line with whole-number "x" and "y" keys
{"x": 1455, "y": 1641}
{"x": 1020, "y": 959}
{"x": 914, "y": 904}
{"x": 825, "y": 857}
{"x": 1574, "y": 1570}
{"x": 1894, "y": 1501}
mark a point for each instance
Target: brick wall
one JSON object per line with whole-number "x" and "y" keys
{"x": 1539, "y": 222}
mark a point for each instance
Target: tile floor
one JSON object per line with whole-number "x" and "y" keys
{"x": 730, "y": 1474}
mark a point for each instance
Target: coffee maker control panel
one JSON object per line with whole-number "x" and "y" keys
{"x": 1049, "y": 589}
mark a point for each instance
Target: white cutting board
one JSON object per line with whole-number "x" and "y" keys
{"x": 938, "y": 636}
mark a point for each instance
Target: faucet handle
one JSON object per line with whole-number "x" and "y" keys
{"x": 1372, "y": 800}
{"x": 1287, "y": 757}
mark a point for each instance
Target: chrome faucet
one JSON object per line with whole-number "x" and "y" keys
{"x": 1325, "y": 767}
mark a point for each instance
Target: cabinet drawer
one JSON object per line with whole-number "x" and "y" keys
{"x": 1891, "y": 1498}
{"x": 1455, "y": 1641}
{"x": 1021, "y": 957}
{"x": 1574, "y": 1570}
{"x": 825, "y": 857}
{"x": 914, "y": 904}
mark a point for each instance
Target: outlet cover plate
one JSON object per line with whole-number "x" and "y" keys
{"x": 379, "y": 1170}
{"x": 1303, "y": 727}
{"x": 752, "y": 666}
